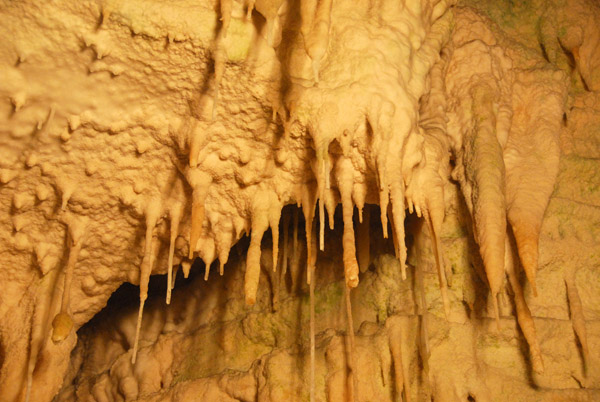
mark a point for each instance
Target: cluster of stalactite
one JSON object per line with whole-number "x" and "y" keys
{"x": 387, "y": 123}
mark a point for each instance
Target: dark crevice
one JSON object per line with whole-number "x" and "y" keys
{"x": 585, "y": 85}
{"x": 544, "y": 52}
{"x": 570, "y": 57}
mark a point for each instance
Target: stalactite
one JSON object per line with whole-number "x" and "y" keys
{"x": 223, "y": 242}
{"x": 274, "y": 218}
{"x": 175, "y": 213}
{"x": 199, "y": 182}
{"x": 286, "y": 230}
{"x": 185, "y": 268}
{"x": 207, "y": 270}
{"x": 63, "y": 323}
{"x": 220, "y": 57}
{"x": 364, "y": 240}
{"x": 225, "y": 16}
{"x": 351, "y": 350}
{"x": 321, "y": 174}
{"x": 260, "y": 224}
{"x": 152, "y": 214}
{"x": 251, "y": 4}
{"x": 527, "y": 241}
{"x": 195, "y": 140}
{"x": 523, "y": 314}
{"x": 308, "y": 209}
{"x": 383, "y": 206}
{"x": 317, "y": 39}
{"x": 330, "y": 205}
{"x": 295, "y": 262}
{"x": 359, "y": 195}
{"x": 174, "y": 276}
{"x": 321, "y": 225}
{"x": 422, "y": 312}
{"x": 394, "y": 235}
{"x": 222, "y": 266}
{"x": 45, "y": 303}
{"x": 394, "y": 332}
{"x": 307, "y": 15}
{"x": 269, "y": 9}
{"x": 344, "y": 175}
{"x": 439, "y": 262}
{"x": 532, "y": 120}
{"x": 484, "y": 158}
{"x": 398, "y": 211}
{"x": 310, "y": 265}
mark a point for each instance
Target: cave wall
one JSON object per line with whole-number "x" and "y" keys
{"x": 139, "y": 135}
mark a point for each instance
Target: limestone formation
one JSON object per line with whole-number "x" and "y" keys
{"x": 374, "y": 178}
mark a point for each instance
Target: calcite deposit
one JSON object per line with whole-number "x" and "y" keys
{"x": 398, "y": 200}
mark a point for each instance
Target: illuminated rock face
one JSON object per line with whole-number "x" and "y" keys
{"x": 142, "y": 136}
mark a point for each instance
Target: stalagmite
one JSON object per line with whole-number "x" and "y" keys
{"x": 523, "y": 314}
{"x": 577, "y": 317}
{"x": 175, "y": 213}
{"x": 363, "y": 250}
{"x": 394, "y": 331}
{"x": 344, "y": 175}
{"x": 152, "y": 214}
